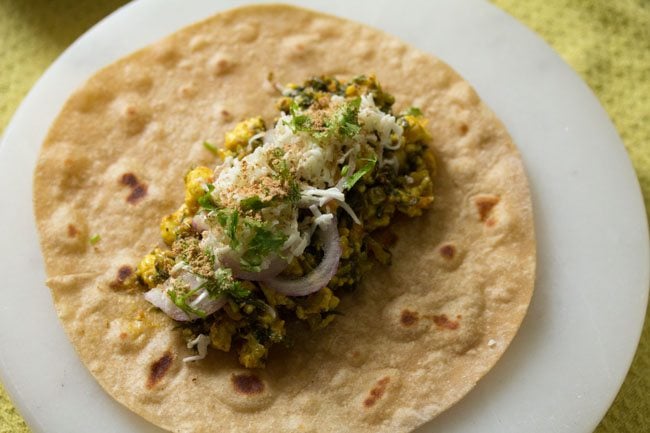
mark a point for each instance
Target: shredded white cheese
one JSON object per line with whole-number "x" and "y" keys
{"x": 201, "y": 342}
{"x": 313, "y": 163}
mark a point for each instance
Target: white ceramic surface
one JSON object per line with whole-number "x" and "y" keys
{"x": 575, "y": 346}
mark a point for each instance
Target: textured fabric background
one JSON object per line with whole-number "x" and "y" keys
{"x": 606, "y": 42}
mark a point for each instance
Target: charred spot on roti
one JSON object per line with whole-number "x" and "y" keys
{"x": 484, "y": 204}
{"x": 376, "y": 392}
{"x": 463, "y": 129}
{"x": 442, "y": 321}
{"x": 122, "y": 276}
{"x": 447, "y": 251}
{"x": 159, "y": 368}
{"x": 129, "y": 179}
{"x": 72, "y": 231}
{"x": 248, "y": 384}
{"x": 124, "y": 272}
{"x": 449, "y": 254}
{"x": 409, "y": 318}
{"x": 243, "y": 390}
{"x": 137, "y": 194}
{"x": 405, "y": 320}
{"x": 138, "y": 189}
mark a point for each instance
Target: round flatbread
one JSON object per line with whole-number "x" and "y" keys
{"x": 412, "y": 340}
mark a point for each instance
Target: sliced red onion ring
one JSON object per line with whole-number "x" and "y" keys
{"x": 159, "y": 297}
{"x": 276, "y": 265}
{"x": 322, "y": 274}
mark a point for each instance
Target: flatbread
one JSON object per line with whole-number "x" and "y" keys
{"x": 414, "y": 338}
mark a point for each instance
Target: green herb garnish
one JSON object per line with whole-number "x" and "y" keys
{"x": 294, "y": 196}
{"x": 206, "y": 201}
{"x": 253, "y": 203}
{"x": 261, "y": 244}
{"x": 299, "y": 122}
{"x": 94, "y": 239}
{"x": 211, "y": 147}
{"x": 413, "y": 111}
{"x": 229, "y": 221}
{"x": 347, "y": 120}
{"x": 343, "y": 123}
{"x": 367, "y": 168}
{"x": 180, "y": 300}
{"x": 223, "y": 284}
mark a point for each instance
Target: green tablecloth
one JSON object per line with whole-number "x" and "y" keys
{"x": 606, "y": 42}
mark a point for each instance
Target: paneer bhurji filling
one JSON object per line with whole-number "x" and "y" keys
{"x": 291, "y": 218}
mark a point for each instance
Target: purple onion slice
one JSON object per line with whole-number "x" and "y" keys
{"x": 322, "y": 274}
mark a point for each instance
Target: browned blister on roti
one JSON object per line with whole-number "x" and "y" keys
{"x": 411, "y": 341}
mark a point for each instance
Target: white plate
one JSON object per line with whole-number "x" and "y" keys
{"x": 575, "y": 346}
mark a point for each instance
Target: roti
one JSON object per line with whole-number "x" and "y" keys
{"x": 415, "y": 337}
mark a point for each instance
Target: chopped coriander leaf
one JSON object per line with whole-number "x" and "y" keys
{"x": 206, "y": 201}
{"x": 367, "y": 168}
{"x": 211, "y": 147}
{"x": 262, "y": 243}
{"x": 210, "y": 255}
{"x": 299, "y": 122}
{"x": 223, "y": 284}
{"x": 344, "y": 122}
{"x": 180, "y": 300}
{"x": 229, "y": 221}
{"x": 293, "y": 196}
{"x": 281, "y": 167}
{"x": 94, "y": 239}
{"x": 344, "y": 170}
{"x": 253, "y": 203}
{"x": 413, "y": 111}
{"x": 348, "y": 122}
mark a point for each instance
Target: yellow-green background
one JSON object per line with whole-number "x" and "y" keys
{"x": 606, "y": 41}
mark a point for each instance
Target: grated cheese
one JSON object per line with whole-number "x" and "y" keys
{"x": 201, "y": 342}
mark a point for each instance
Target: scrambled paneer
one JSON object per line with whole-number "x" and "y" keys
{"x": 396, "y": 181}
